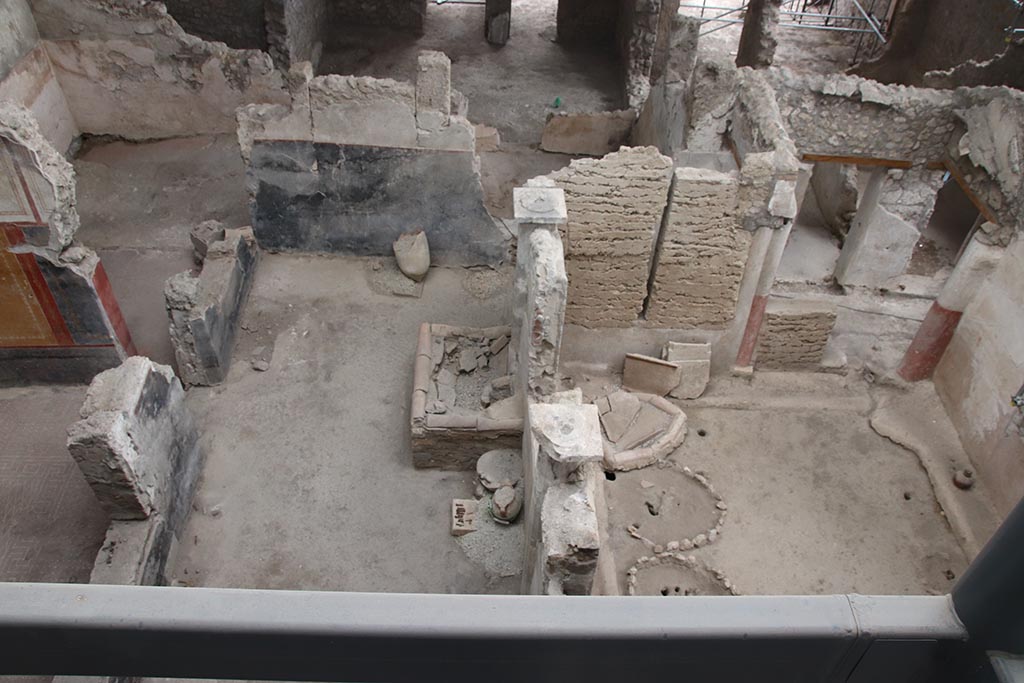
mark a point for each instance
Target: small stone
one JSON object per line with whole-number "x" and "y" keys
{"x": 673, "y": 545}
{"x": 644, "y": 484}
{"x": 506, "y": 504}
{"x": 712, "y": 535}
{"x": 216, "y": 511}
{"x": 258, "y": 351}
{"x": 963, "y": 479}
{"x": 437, "y": 408}
{"x": 700, "y": 540}
{"x": 413, "y": 254}
{"x": 467, "y": 360}
{"x": 659, "y": 549}
{"x": 686, "y": 544}
{"x": 497, "y": 345}
{"x": 260, "y": 365}
{"x": 721, "y": 505}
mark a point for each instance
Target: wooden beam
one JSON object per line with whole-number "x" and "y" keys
{"x": 958, "y": 176}
{"x": 859, "y": 161}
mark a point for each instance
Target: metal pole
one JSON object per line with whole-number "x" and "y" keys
{"x": 989, "y": 597}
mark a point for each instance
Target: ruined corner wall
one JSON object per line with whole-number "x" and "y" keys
{"x": 60, "y": 321}
{"x": 355, "y": 162}
{"x": 27, "y": 77}
{"x": 130, "y": 70}
{"x": 702, "y": 254}
{"x": 980, "y": 371}
{"x": 615, "y": 205}
{"x": 847, "y": 115}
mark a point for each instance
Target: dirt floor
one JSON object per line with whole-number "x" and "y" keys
{"x": 816, "y": 501}
{"x": 308, "y": 481}
{"x": 513, "y": 87}
{"x": 50, "y": 523}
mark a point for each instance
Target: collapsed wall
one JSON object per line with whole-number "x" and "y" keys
{"x": 355, "y": 162}
{"x": 61, "y": 322}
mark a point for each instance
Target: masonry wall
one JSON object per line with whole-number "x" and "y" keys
{"x": 981, "y": 370}
{"x": 19, "y": 35}
{"x": 615, "y": 205}
{"x": 846, "y": 115}
{"x": 702, "y": 253}
{"x": 238, "y": 23}
{"x": 130, "y": 70}
{"x": 295, "y": 30}
{"x": 794, "y": 334}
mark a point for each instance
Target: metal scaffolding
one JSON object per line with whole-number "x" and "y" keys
{"x": 867, "y": 19}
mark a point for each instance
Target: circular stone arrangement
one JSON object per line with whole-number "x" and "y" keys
{"x": 666, "y": 506}
{"x": 676, "y": 575}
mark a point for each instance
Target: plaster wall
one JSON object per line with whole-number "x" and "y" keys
{"x": 981, "y": 370}
{"x": 130, "y": 70}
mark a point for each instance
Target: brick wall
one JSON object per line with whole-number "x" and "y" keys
{"x": 794, "y": 334}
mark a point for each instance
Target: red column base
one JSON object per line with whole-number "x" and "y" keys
{"x": 929, "y": 343}
{"x": 745, "y": 356}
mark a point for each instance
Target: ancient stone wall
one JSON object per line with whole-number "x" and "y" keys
{"x": 911, "y": 193}
{"x": 130, "y": 70}
{"x": 238, "y": 23}
{"x": 355, "y": 162}
{"x": 615, "y": 205}
{"x": 794, "y": 334}
{"x": 702, "y": 253}
{"x": 19, "y": 35}
{"x": 846, "y": 115}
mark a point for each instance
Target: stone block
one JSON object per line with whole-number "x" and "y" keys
{"x": 133, "y": 554}
{"x": 204, "y": 311}
{"x": 203, "y": 235}
{"x": 433, "y": 87}
{"x": 593, "y": 134}
{"x": 794, "y": 334}
{"x": 694, "y": 361}
{"x": 878, "y": 251}
{"x": 136, "y": 443}
{"x": 568, "y": 435}
{"x": 649, "y": 375}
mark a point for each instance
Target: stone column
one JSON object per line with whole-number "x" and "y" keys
{"x": 498, "y": 21}
{"x": 769, "y": 267}
{"x": 938, "y": 326}
{"x": 541, "y": 288}
{"x": 757, "y": 41}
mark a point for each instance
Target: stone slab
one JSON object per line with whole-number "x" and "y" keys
{"x": 593, "y": 134}
{"x": 649, "y": 375}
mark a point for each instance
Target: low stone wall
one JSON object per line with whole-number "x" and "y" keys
{"x": 454, "y": 435}
{"x": 204, "y": 310}
{"x": 794, "y": 334}
{"x": 702, "y": 253}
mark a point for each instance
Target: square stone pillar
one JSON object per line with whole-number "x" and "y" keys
{"x": 541, "y": 289}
